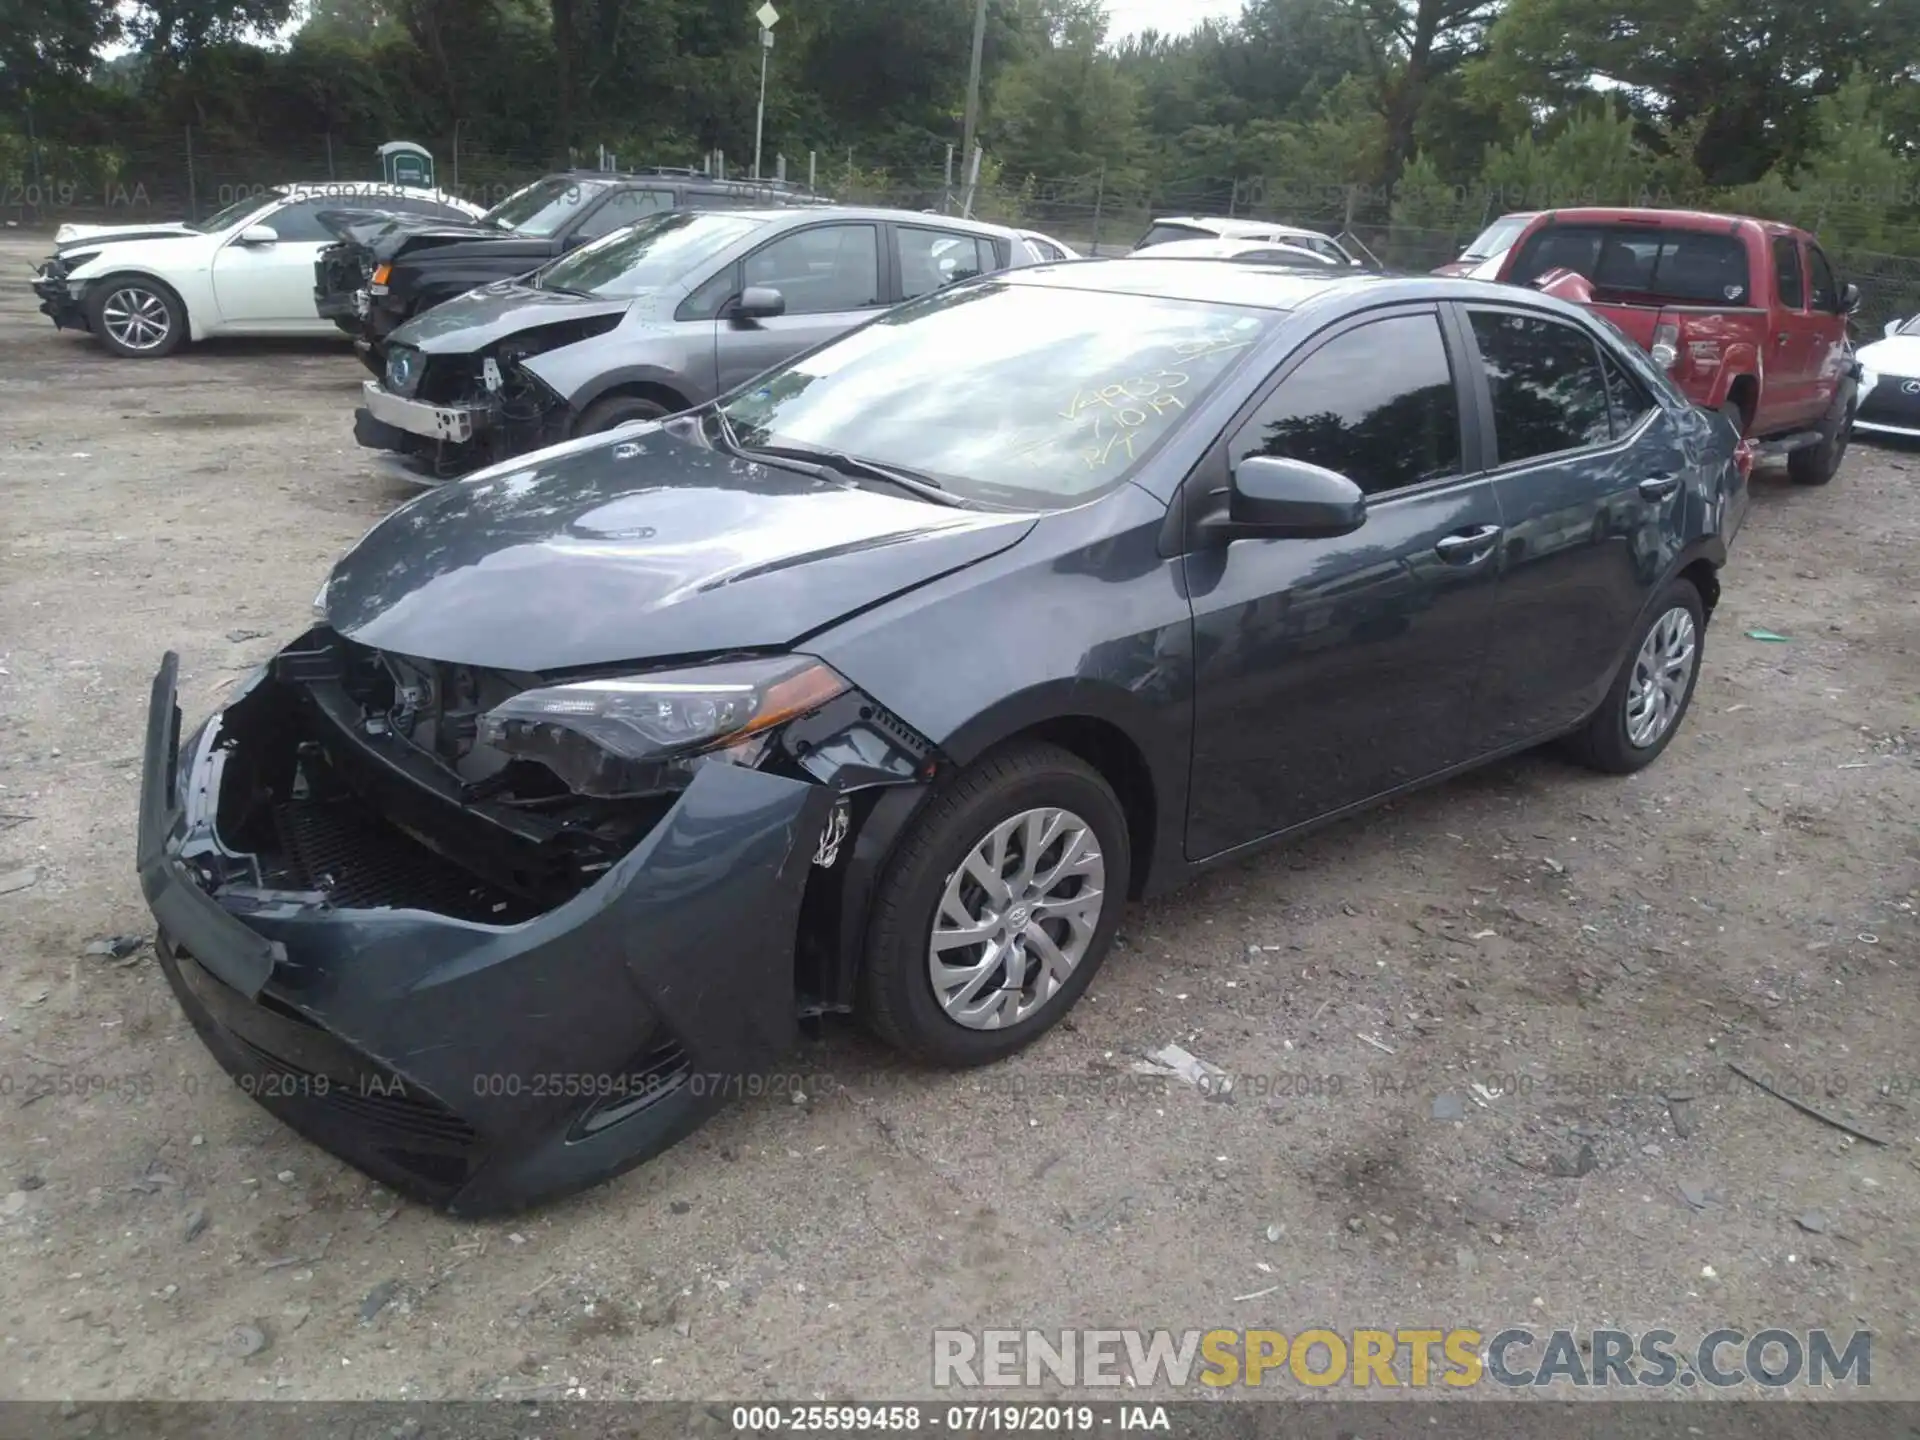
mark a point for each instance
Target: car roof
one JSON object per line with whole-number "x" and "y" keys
{"x": 1238, "y": 227}
{"x": 1225, "y": 247}
{"x": 1662, "y": 219}
{"x": 919, "y": 218}
{"x": 1273, "y": 287}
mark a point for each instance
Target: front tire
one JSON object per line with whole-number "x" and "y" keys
{"x": 996, "y": 908}
{"x": 1650, "y": 695}
{"x": 136, "y": 316}
{"x": 605, "y": 414}
{"x": 1817, "y": 464}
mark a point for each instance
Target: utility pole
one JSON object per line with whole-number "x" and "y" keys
{"x": 766, "y": 15}
{"x": 973, "y": 76}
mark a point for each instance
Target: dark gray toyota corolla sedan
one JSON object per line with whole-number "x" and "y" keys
{"x": 880, "y": 684}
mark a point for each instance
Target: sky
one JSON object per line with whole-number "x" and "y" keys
{"x": 1130, "y": 17}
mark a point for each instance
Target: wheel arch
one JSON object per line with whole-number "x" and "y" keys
{"x": 136, "y": 271}
{"x": 658, "y": 393}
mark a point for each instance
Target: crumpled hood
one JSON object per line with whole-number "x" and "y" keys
{"x": 645, "y": 547}
{"x": 469, "y": 323}
{"x": 1895, "y": 355}
{"x": 386, "y": 234}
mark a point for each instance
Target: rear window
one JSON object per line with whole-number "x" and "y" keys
{"x": 1642, "y": 264}
{"x": 1160, "y": 234}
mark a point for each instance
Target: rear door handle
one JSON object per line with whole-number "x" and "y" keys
{"x": 1469, "y": 547}
{"x": 1781, "y": 339}
{"x": 1658, "y": 487}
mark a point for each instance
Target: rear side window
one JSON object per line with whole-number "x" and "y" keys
{"x": 1160, "y": 234}
{"x": 929, "y": 259}
{"x": 1627, "y": 397}
{"x": 1376, "y": 404}
{"x": 1826, "y": 290}
{"x": 1787, "y": 278}
{"x": 623, "y": 207}
{"x": 1642, "y": 264}
{"x": 1549, "y": 392}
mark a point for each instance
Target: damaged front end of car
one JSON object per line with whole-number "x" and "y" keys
{"x": 440, "y": 416}
{"x": 342, "y": 273}
{"x": 494, "y": 937}
{"x": 61, "y": 300}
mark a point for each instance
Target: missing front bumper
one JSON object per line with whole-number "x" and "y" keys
{"x": 484, "y": 1066}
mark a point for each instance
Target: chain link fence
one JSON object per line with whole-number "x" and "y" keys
{"x": 189, "y": 174}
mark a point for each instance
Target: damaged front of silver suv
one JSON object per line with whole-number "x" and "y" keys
{"x": 534, "y": 849}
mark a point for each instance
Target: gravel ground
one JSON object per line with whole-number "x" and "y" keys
{"x": 1580, "y": 947}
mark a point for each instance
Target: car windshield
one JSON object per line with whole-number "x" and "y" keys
{"x": 1911, "y": 327}
{"x": 645, "y": 256}
{"x": 231, "y": 215}
{"x": 1642, "y": 264}
{"x": 1017, "y": 395}
{"x": 544, "y": 206}
{"x": 1496, "y": 239}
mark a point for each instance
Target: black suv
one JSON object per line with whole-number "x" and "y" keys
{"x": 382, "y": 272}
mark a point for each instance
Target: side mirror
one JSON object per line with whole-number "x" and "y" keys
{"x": 1849, "y": 299}
{"x": 259, "y": 235}
{"x": 759, "y": 302}
{"x": 1274, "y": 497}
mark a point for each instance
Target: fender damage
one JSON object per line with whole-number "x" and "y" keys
{"x": 480, "y": 1009}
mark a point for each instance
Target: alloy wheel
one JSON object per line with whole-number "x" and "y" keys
{"x": 136, "y": 317}
{"x": 1015, "y": 918}
{"x": 1661, "y": 673}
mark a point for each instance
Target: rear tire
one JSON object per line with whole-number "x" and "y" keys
{"x": 1817, "y": 464}
{"x": 928, "y": 892}
{"x": 1650, "y": 696}
{"x": 604, "y": 415}
{"x": 136, "y": 316}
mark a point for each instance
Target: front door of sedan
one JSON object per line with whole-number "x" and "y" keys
{"x": 1590, "y": 475}
{"x": 829, "y": 277}
{"x": 1329, "y": 671}
{"x": 269, "y": 286}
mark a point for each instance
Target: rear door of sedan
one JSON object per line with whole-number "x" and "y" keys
{"x": 1330, "y": 671}
{"x": 1590, "y": 475}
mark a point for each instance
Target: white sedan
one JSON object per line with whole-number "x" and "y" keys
{"x": 1889, "y": 401}
{"x": 145, "y": 290}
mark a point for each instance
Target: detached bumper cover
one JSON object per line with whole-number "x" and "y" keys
{"x": 57, "y": 300}
{"x": 488, "y": 1067}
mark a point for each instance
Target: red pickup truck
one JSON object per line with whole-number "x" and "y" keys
{"x": 1747, "y": 315}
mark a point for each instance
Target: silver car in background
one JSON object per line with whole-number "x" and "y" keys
{"x": 650, "y": 320}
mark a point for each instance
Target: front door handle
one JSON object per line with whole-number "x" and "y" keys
{"x": 1781, "y": 339}
{"x": 1469, "y": 547}
{"x": 1658, "y": 487}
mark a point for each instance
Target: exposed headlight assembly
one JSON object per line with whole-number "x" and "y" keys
{"x": 634, "y": 735}
{"x": 404, "y": 368}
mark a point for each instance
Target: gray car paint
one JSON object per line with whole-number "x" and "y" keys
{"x": 697, "y": 359}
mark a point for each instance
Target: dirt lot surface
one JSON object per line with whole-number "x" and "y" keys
{"x": 1458, "y": 1026}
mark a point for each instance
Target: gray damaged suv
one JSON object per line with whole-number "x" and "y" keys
{"x": 653, "y": 319}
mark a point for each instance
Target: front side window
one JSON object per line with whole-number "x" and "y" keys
{"x": 1376, "y": 404}
{"x": 1011, "y": 394}
{"x": 1826, "y": 290}
{"x": 1786, "y": 272}
{"x": 644, "y": 256}
{"x": 1549, "y": 392}
{"x": 623, "y": 207}
{"x": 929, "y": 259}
{"x": 300, "y": 221}
{"x": 821, "y": 269}
{"x": 1642, "y": 264}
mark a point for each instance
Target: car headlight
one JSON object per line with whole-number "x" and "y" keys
{"x": 645, "y": 734}
{"x": 404, "y": 367}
